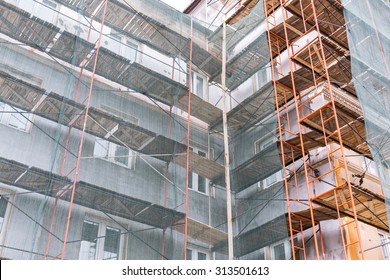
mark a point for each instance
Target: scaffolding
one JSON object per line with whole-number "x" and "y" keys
{"x": 88, "y": 119}
{"x": 331, "y": 125}
{"x": 303, "y": 119}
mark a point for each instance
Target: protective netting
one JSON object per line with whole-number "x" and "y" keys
{"x": 126, "y": 161}
{"x": 368, "y": 31}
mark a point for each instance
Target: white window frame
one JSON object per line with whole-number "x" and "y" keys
{"x": 268, "y": 252}
{"x": 385, "y": 245}
{"x": 126, "y": 45}
{"x": 121, "y": 114}
{"x": 50, "y": 3}
{"x": 102, "y": 228}
{"x": 264, "y": 73}
{"x": 110, "y": 155}
{"x": 195, "y": 251}
{"x": 47, "y": 6}
{"x": 370, "y": 166}
{"x": 260, "y": 145}
{"x": 262, "y": 254}
{"x": 195, "y": 77}
{"x": 195, "y": 176}
{"x": 129, "y": 47}
{"x": 6, "y": 118}
{"x": 115, "y": 42}
{"x": 10, "y": 195}
{"x": 287, "y": 248}
{"x": 4, "y": 218}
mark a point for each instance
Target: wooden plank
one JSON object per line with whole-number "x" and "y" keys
{"x": 340, "y": 74}
{"x": 200, "y": 108}
{"x": 363, "y": 198}
{"x": 82, "y": 5}
{"x": 26, "y": 28}
{"x": 351, "y": 125}
{"x": 58, "y": 109}
{"x": 257, "y": 238}
{"x": 257, "y": 106}
{"x": 271, "y": 6}
{"x": 132, "y": 135}
{"x": 10, "y": 171}
{"x": 243, "y": 10}
{"x": 163, "y": 148}
{"x": 312, "y": 58}
{"x": 278, "y": 36}
{"x": 268, "y": 161}
{"x": 99, "y": 123}
{"x": 200, "y": 165}
{"x": 246, "y": 63}
{"x": 71, "y": 48}
{"x": 303, "y": 79}
{"x": 18, "y": 93}
{"x": 330, "y": 17}
{"x": 41, "y": 181}
{"x": 274, "y": 230}
{"x": 116, "y": 15}
{"x": 202, "y": 232}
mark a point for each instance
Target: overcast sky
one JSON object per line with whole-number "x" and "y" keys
{"x": 178, "y": 4}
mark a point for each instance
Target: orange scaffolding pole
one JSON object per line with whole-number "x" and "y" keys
{"x": 313, "y": 59}
{"x": 62, "y": 169}
{"x": 319, "y": 51}
{"x": 279, "y": 43}
{"x": 83, "y": 133}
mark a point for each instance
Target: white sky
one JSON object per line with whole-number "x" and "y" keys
{"x": 178, "y": 4}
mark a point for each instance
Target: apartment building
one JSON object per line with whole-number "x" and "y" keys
{"x": 119, "y": 119}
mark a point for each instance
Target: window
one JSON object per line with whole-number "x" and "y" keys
{"x": 114, "y": 153}
{"x": 261, "y": 145}
{"x": 122, "y": 46}
{"x": 115, "y": 42}
{"x": 278, "y": 251}
{"x": 111, "y": 244}
{"x": 3, "y": 208}
{"x": 99, "y": 241}
{"x": 202, "y": 256}
{"x": 195, "y": 254}
{"x": 15, "y": 118}
{"x": 189, "y": 254}
{"x": 130, "y": 51}
{"x": 47, "y": 10}
{"x": 262, "y": 254}
{"x": 370, "y": 166}
{"x": 121, "y": 114}
{"x": 263, "y": 76}
{"x": 195, "y": 181}
{"x": 281, "y": 250}
{"x": 89, "y": 237}
{"x": 18, "y": 121}
{"x": 385, "y": 243}
{"x": 2, "y": 111}
{"x": 199, "y": 85}
{"x": 49, "y": 3}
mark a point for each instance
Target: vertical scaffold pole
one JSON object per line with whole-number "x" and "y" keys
{"x": 188, "y": 145}
{"x": 226, "y": 149}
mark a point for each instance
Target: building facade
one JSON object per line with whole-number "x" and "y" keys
{"x": 112, "y": 138}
